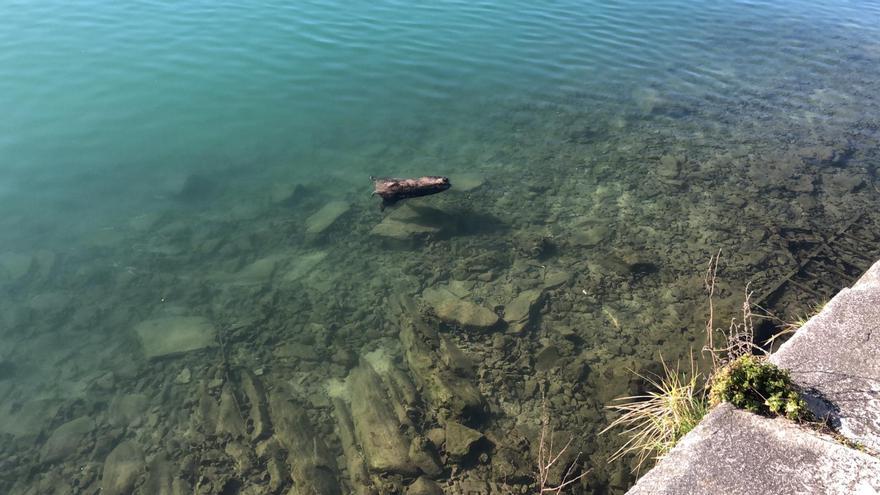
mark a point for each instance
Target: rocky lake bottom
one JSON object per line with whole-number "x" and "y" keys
{"x": 282, "y": 335}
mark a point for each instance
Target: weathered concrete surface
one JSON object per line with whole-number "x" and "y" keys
{"x": 736, "y": 452}
{"x": 836, "y": 357}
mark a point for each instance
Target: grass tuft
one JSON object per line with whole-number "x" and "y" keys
{"x": 654, "y": 422}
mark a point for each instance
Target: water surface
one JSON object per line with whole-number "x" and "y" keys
{"x": 182, "y": 165}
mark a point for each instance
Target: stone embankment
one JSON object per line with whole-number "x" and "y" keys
{"x": 835, "y": 357}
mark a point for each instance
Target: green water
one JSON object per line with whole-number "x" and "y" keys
{"x": 201, "y": 170}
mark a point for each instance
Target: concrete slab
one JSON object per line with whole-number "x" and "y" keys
{"x": 835, "y": 356}
{"x": 736, "y": 452}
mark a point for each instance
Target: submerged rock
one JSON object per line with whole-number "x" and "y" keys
{"x": 122, "y": 468}
{"x": 424, "y": 486}
{"x": 450, "y": 309}
{"x": 127, "y": 409}
{"x": 7, "y": 370}
{"x": 376, "y": 426}
{"x": 259, "y": 271}
{"x": 197, "y": 187}
{"x": 160, "y": 477}
{"x": 313, "y": 469}
{"x": 259, "y": 425}
{"x": 303, "y": 264}
{"x": 555, "y": 278}
{"x": 670, "y": 167}
{"x": 173, "y": 335}
{"x": 447, "y": 391}
{"x": 287, "y": 194}
{"x": 460, "y": 440}
{"x": 402, "y": 231}
{"x": 326, "y": 216}
{"x": 423, "y": 455}
{"x": 229, "y": 420}
{"x": 358, "y": 478}
{"x": 14, "y": 266}
{"x": 407, "y": 224}
{"x": 590, "y": 237}
{"x": 519, "y": 311}
{"x": 67, "y": 439}
{"x": 547, "y": 358}
{"x": 467, "y": 182}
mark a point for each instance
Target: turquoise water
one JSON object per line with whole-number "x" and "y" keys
{"x": 162, "y": 161}
{"x": 116, "y": 94}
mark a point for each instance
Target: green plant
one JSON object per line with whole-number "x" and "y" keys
{"x": 654, "y": 422}
{"x": 757, "y": 385}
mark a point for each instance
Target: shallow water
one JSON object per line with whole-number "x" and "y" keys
{"x": 201, "y": 169}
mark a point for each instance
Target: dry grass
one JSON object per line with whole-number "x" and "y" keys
{"x": 739, "y": 338}
{"x": 656, "y": 421}
{"x": 790, "y": 327}
{"x": 547, "y": 459}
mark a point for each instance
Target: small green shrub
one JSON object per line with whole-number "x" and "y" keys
{"x": 756, "y": 385}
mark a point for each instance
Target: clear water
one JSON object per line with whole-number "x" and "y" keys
{"x": 148, "y": 151}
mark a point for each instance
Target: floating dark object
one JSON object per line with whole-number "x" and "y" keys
{"x": 392, "y": 190}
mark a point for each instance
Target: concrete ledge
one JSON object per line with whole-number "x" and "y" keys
{"x": 736, "y": 452}
{"x": 835, "y": 357}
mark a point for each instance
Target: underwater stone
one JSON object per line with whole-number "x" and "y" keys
{"x": 422, "y": 454}
{"x": 556, "y": 278}
{"x": 67, "y": 439}
{"x": 121, "y": 469}
{"x": 173, "y": 335}
{"x": 670, "y": 166}
{"x": 454, "y": 359}
{"x": 460, "y": 440}
{"x": 303, "y": 264}
{"x": 242, "y": 455}
{"x": 436, "y": 435}
{"x": 590, "y": 237}
{"x": 184, "y": 377}
{"x": 160, "y": 478}
{"x": 259, "y": 271}
{"x": 127, "y": 409}
{"x": 466, "y": 182}
{"x": 406, "y": 225}
{"x": 287, "y": 194}
{"x": 258, "y": 414}
{"x": 801, "y": 184}
{"x": 522, "y": 305}
{"x": 445, "y": 390}
{"x": 197, "y": 187}
{"x": 7, "y": 370}
{"x": 394, "y": 229}
{"x": 547, "y": 358}
{"x": 424, "y": 486}
{"x": 376, "y": 425}
{"x": 326, "y": 216}
{"x": 295, "y": 350}
{"x": 450, "y": 309}
{"x": 14, "y": 266}
{"x": 313, "y": 470}
{"x": 229, "y": 419}
{"x": 842, "y": 182}
{"x": 358, "y": 478}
